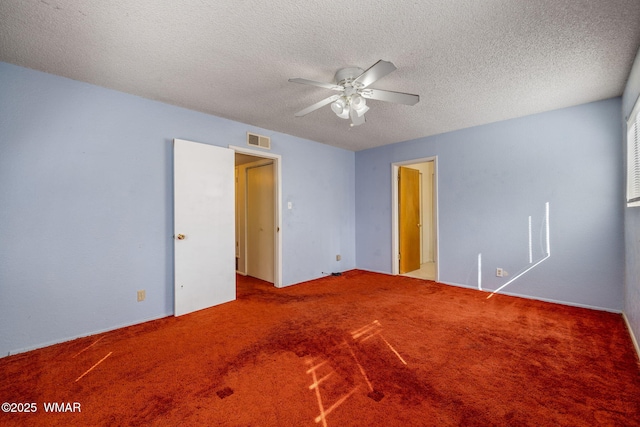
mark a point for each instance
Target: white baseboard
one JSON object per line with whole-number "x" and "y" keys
{"x": 84, "y": 335}
{"x": 461, "y": 285}
{"x": 633, "y": 336}
{"x": 374, "y": 271}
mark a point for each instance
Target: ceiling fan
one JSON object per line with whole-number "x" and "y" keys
{"x": 353, "y": 85}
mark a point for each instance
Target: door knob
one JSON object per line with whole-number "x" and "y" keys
{"x": 180, "y": 236}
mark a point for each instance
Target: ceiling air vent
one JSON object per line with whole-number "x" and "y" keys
{"x": 258, "y": 140}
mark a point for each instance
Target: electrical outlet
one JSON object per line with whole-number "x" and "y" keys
{"x": 499, "y": 272}
{"x": 338, "y": 257}
{"x": 142, "y": 295}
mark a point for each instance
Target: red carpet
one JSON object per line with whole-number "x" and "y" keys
{"x": 362, "y": 349}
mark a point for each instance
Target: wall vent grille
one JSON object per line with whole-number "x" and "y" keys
{"x": 258, "y": 140}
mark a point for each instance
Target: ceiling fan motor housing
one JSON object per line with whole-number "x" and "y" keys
{"x": 345, "y": 76}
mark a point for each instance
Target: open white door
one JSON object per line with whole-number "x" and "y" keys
{"x": 204, "y": 226}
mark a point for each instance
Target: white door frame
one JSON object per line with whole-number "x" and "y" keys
{"x": 277, "y": 174}
{"x": 395, "y": 242}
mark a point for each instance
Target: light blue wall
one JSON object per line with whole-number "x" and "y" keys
{"x": 86, "y": 196}
{"x": 491, "y": 178}
{"x": 86, "y": 205}
{"x": 632, "y": 219}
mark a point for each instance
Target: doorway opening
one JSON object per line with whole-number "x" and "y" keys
{"x": 415, "y": 218}
{"x": 257, "y": 210}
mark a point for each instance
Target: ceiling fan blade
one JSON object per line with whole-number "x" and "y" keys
{"x": 319, "y": 84}
{"x": 356, "y": 120}
{"x": 317, "y": 105}
{"x": 375, "y": 72}
{"x": 386, "y": 95}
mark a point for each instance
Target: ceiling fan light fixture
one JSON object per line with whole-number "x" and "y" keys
{"x": 358, "y": 103}
{"x": 338, "y": 106}
{"x": 344, "y": 114}
{"x": 360, "y": 112}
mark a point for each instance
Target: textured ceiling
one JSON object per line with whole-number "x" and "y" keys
{"x": 471, "y": 62}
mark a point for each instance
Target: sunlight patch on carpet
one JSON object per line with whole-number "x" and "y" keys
{"x": 336, "y": 379}
{"x": 87, "y": 348}
{"x": 371, "y": 330}
{"x": 94, "y": 366}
